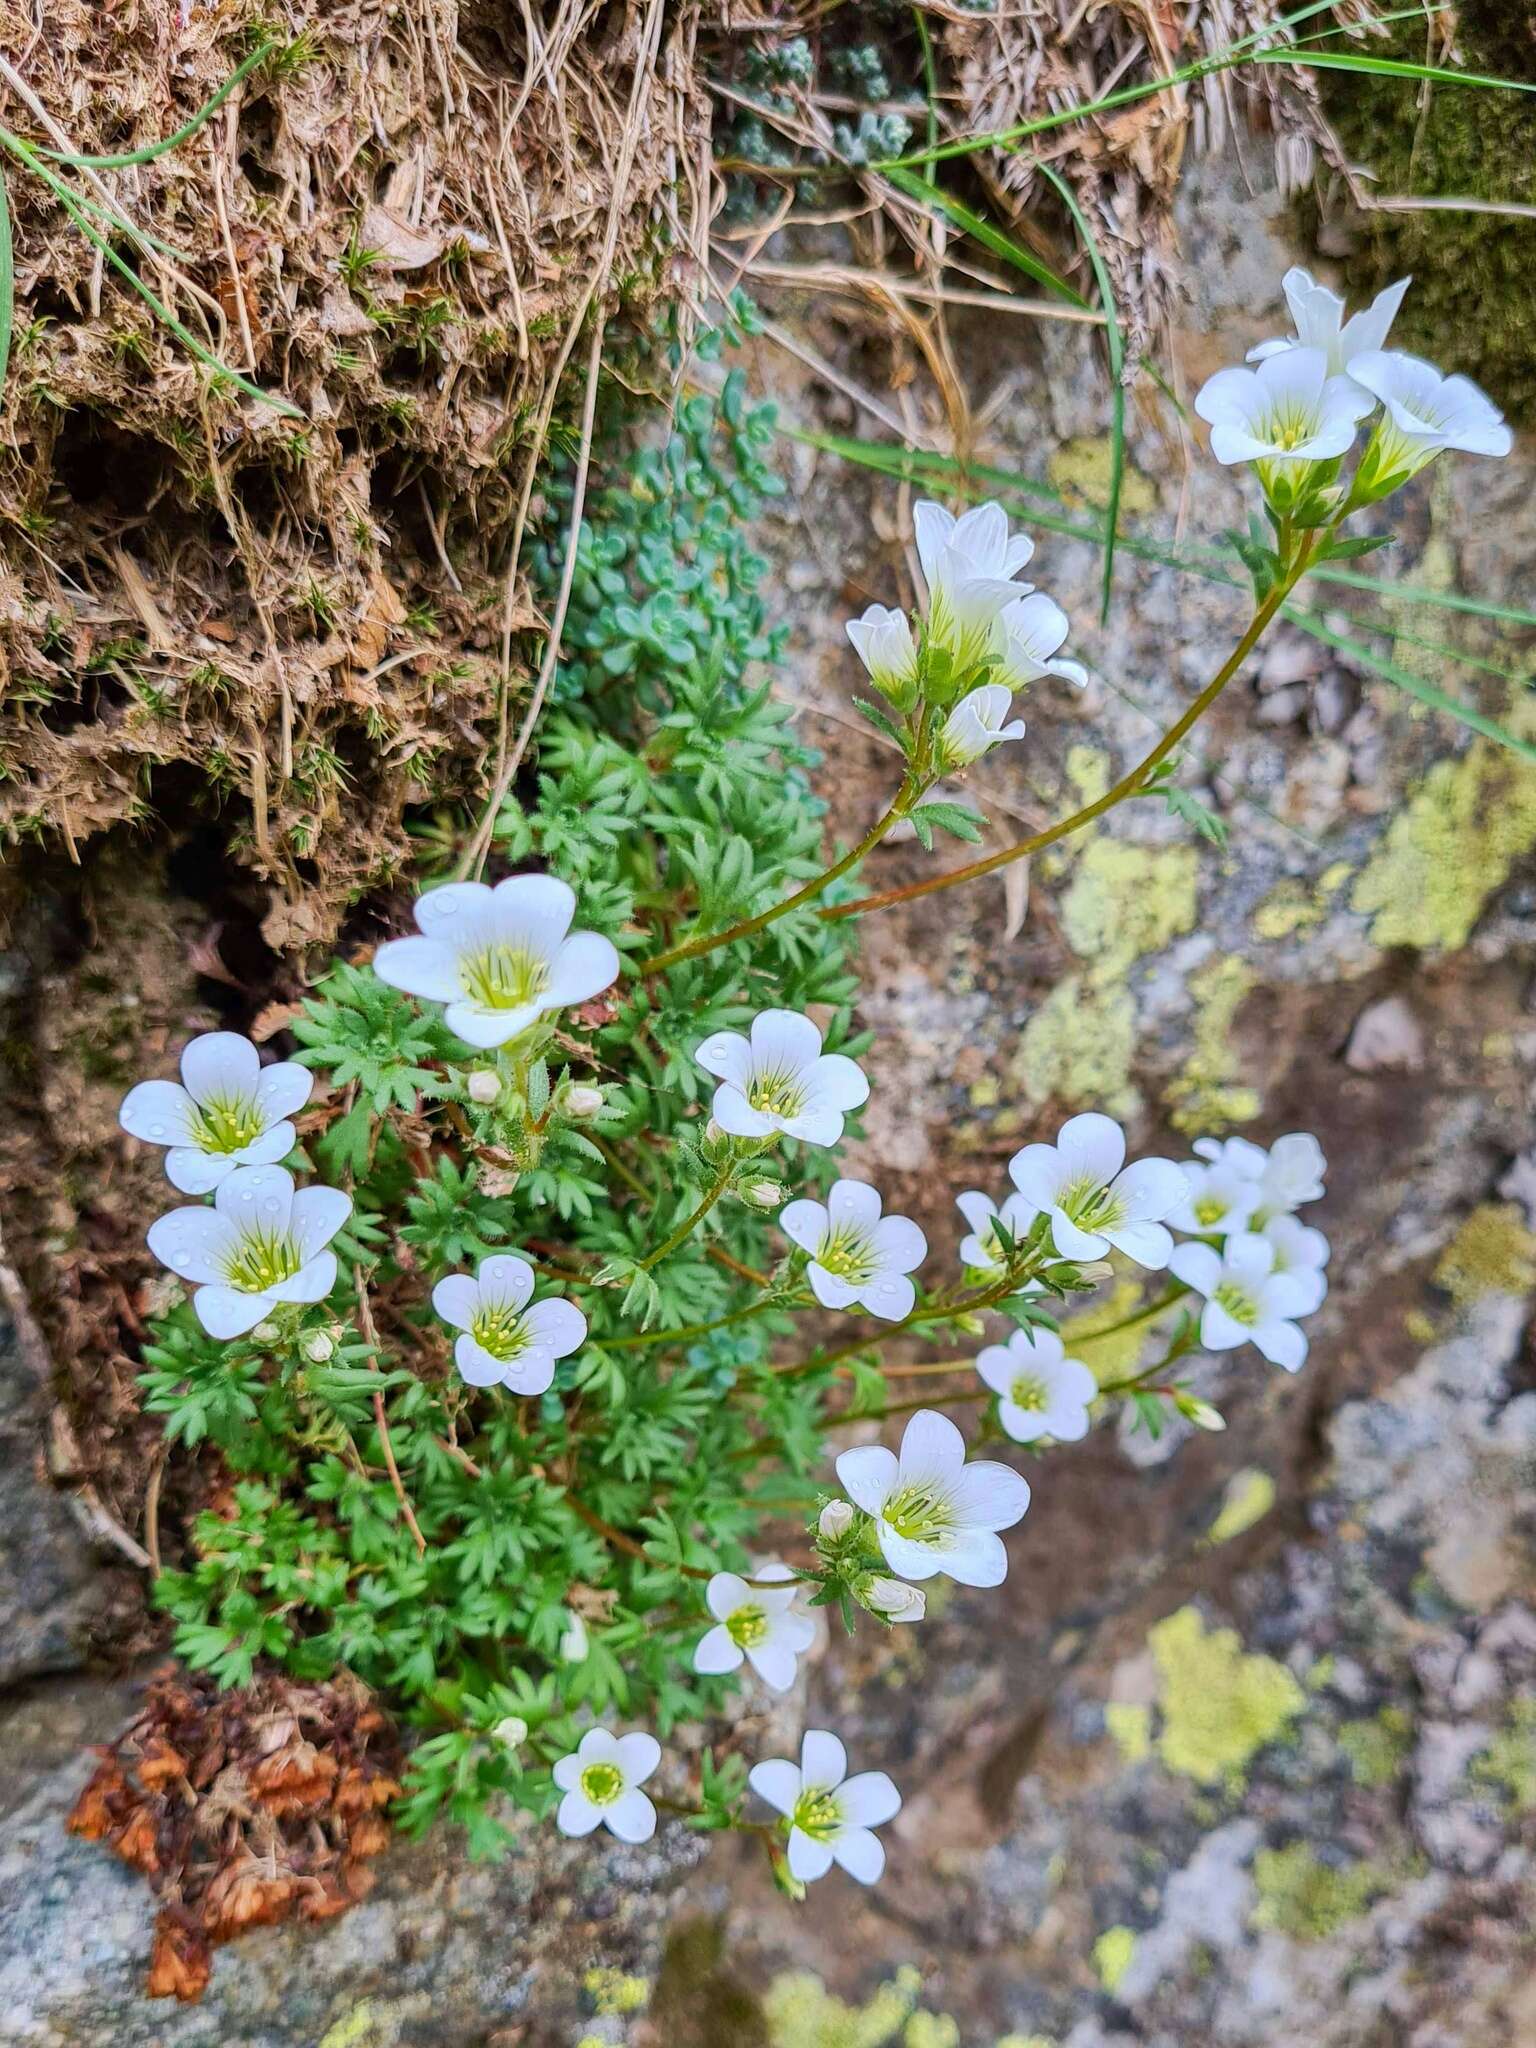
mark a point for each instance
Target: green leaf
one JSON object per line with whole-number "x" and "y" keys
{"x": 983, "y": 231}
{"x": 946, "y": 817}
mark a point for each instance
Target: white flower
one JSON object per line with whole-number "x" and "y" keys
{"x": 835, "y": 1520}
{"x": 260, "y": 1244}
{"x": 969, "y": 565}
{"x": 976, "y": 725}
{"x": 1030, "y": 630}
{"x": 1288, "y": 1174}
{"x": 1091, "y": 1201}
{"x": 601, "y": 1782}
{"x": 1289, "y": 409}
{"x": 932, "y": 1511}
{"x": 982, "y": 1248}
{"x": 757, "y": 1623}
{"x": 1301, "y": 1253}
{"x": 831, "y": 1816}
{"x": 1041, "y": 1391}
{"x": 1246, "y": 1300}
{"x": 1221, "y": 1197}
{"x": 884, "y": 643}
{"x": 499, "y": 958}
{"x": 857, "y": 1255}
{"x": 781, "y": 1080}
{"x": 227, "y": 1111}
{"x": 1423, "y": 412}
{"x": 895, "y": 1600}
{"x": 1318, "y": 315}
{"x": 507, "y": 1339}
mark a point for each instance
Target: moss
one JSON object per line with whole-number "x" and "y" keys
{"x": 1088, "y": 772}
{"x": 1131, "y": 1727}
{"x": 1220, "y": 1706}
{"x": 1124, "y": 902}
{"x": 1509, "y": 1762}
{"x": 1377, "y": 1748}
{"x": 802, "y": 2013}
{"x": 1492, "y": 1253}
{"x": 1454, "y": 843}
{"x": 1206, "y": 1095}
{"x": 1249, "y": 1496}
{"x": 1473, "y": 303}
{"x": 1113, "y": 1954}
{"x": 612, "y": 1992}
{"x": 1081, "y": 470}
{"x": 1301, "y": 1896}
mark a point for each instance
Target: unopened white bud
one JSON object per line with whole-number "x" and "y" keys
{"x": 513, "y": 1731}
{"x": 896, "y": 1600}
{"x": 484, "y": 1085}
{"x": 835, "y": 1520}
{"x": 317, "y": 1347}
{"x": 763, "y": 1194}
{"x": 266, "y": 1333}
{"x": 712, "y": 1132}
{"x": 573, "y": 1644}
{"x": 582, "y": 1100}
{"x": 1202, "y": 1415}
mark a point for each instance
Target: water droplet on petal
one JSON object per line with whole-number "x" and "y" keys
{"x": 272, "y": 1202}
{"x": 157, "y": 1130}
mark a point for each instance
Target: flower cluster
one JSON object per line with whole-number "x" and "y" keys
{"x": 1296, "y": 414}
{"x": 983, "y": 636}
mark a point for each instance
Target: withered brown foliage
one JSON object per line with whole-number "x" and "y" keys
{"x": 394, "y": 223}
{"x": 242, "y": 1809}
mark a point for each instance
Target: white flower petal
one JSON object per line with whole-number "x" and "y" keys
{"x": 717, "y": 1652}
{"x": 317, "y": 1213}
{"x": 195, "y": 1243}
{"x": 908, "y": 1560}
{"x": 774, "y": 1663}
{"x": 283, "y": 1089}
{"x": 1282, "y": 1344}
{"x": 1038, "y": 1172}
{"x": 451, "y": 909}
{"x": 735, "y": 1115}
{"x": 577, "y": 1816}
{"x": 728, "y": 1056}
{"x": 1197, "y": 1265}
{"x": 504, "y": 1281}
{"x": 1149, "y": 1244}
{"x": 476, "y": 1365}
{"x": 931, "y": 1449}
{"x": 1093, "y": 1146}
{"x": 312, "y": 1282}
{"x": 784, "y": 1039}
{"x": 860, "y": 1853}
{"x": 808, "y": 1859}
{"x": 556, "y": 1326}
{"x": 805, "y": 1224}
{"x": 830, "y": 1290}
{"x": 421, "y": 967}
{"x": 484, "y": 1028}
{"x": 221, "y": 1066}
{"x": 869, "y": 1476}
{"x": 198, "y": 1173}
{"x": 631, "y": 1817}
{"x": 160, "y": 1113}
{"x": 823, "y": 1759}
{"x": 456, "y": 1299}
{"x": 531, "y": 1372}
{"x": 585, "y": 965}
{"x": 637, "y": 1755}
{"x": 837, "y": 1082}
{"x": 225, "y": 1312}
{"x": 990, "y": 1496}
{"x": 257, "y": 1197}
{"x": 854, "y": 1203}
{"x": 899, "y": 1244}
{"x": 535, "y": 909}
{"x": 868, "y": 1800}
{"x": 974, "y": 1557}
{"x": 891, "y": 1297}
{"x": 778, "y": 1781}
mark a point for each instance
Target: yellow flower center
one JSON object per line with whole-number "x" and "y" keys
{"x": 262, "y": 1260}
{"x": 776, "y": 1091}
{"x": 817, "y": 1814}
{"x": 1029, "y": 1393}
{"x": 747, "y": 1627}
{"x": 919, "y": 1513}
{"x": 602, "y": 1783}
{"x": 227, "y": 1124}
{"x": 847, "y": 1255}
{"x": 1238, "y": 1303}
{"x": 500, "y": 1330}
{"x": 502, "y": 977}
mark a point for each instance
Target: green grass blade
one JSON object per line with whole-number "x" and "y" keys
{"x": 1388, "y": 67}
{"x": 122, "y": 159}
{"x": 162, "y": 312}
{"x": 1416, "y": 686}
{"x": 1116, "y": 345}
{"x": 930, "y": 90}
{"x": 7, "y": 284}
{"x": 983, "y": 231}
{"x": 1439, "y": 600}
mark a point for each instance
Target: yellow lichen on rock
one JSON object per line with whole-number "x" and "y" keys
{"x": 1492, "y": 1253}
{"x": 1206, "y": 1096}
{"x": 1220, "y": 1706}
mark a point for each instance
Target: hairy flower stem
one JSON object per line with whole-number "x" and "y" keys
{"x": 1129, "y": 785}
{"x": 692, "y": 948}
{"x": 686, "y": 1228}
{"x": 633, "y": 1181}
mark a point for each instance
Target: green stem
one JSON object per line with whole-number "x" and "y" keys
{"x": 1129, "y": 785}
{"x": 679, "y": 1336}
{"x": 686, "y": 1228}
{"x": 1146, "y": 1314}
{"x": 692, "y": 948}
{"x": 935, "y": 1312}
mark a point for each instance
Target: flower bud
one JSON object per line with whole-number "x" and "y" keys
{"x": 484, "y": 1085}
{"x": 318, "y": 1347}
{"x": 513, "y": 1731}
{"x": 712, "y": 1133}
{"x": 573, "y": 1644}
{"x": 1201, "y": 1414}
{"x": 835, "y": 1520}
{"x": 763, "y": 1194}
{"x": 266, "y": 1333}
{"x": 970, "y": 1325}
{"x": 894, "y": 1600}
{"x": 582, "y": 1100}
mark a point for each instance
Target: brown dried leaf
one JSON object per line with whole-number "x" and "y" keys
{"x": 180, "y": 1962}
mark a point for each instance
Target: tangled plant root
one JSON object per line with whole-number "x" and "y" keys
{"x": 392, "y": 223}
{"x": 242, "y": 1809}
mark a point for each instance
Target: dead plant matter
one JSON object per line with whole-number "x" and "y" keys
{"x": 394, "y": 223}
{"x": 242, "y": 1809}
